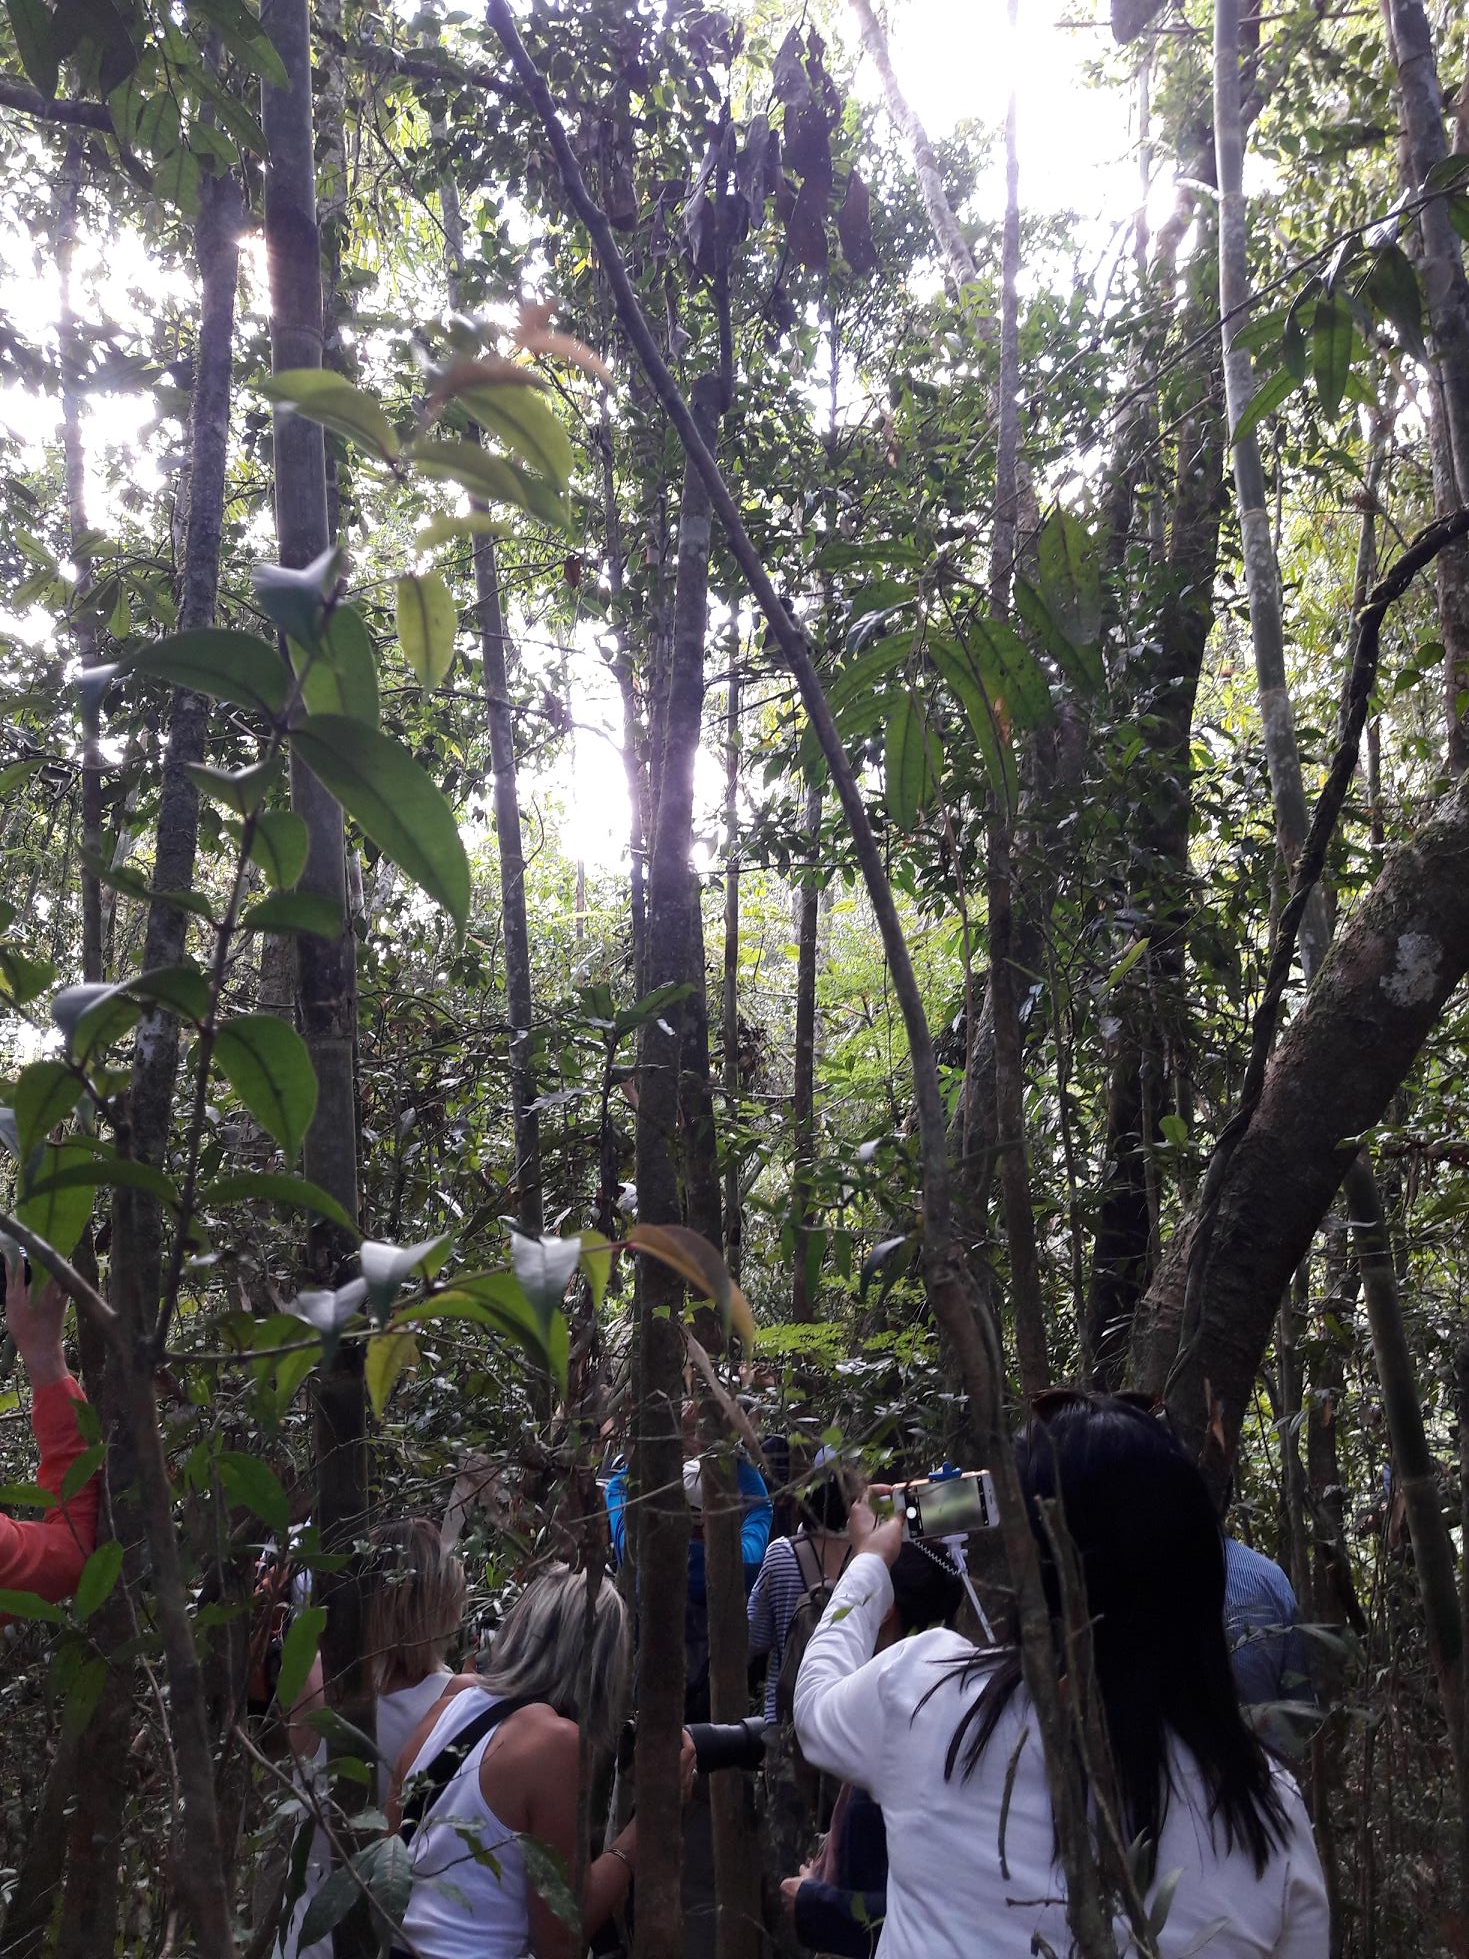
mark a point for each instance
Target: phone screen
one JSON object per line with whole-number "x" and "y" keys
{"x": 955, "y": 1505}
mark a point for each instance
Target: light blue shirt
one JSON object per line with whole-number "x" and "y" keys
{"x": 1266, "y": 1649}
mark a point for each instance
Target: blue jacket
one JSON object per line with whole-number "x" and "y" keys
{"x": 754, "y": 1532}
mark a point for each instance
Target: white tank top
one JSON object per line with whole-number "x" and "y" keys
{"x": 460, "y": 1908}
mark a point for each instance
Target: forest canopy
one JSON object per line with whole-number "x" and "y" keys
{"x": 762, "y": 705}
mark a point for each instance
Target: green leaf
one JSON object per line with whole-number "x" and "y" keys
{"x": 388, "y": 1268}
{"x": 389, "y": 1356}
{"x": 523, "y": 421}
{"x": 45, "y": 1094}
{"x": 1264, "y": 401}
{"x": 242, "y": 790}
{"x": 1391, "y": 287}
{"x": 295, "y": 601}
{"x": 21, "y": 977}
{"x": 914, "y": 762}
{"x": 279, "y": 846}
{"x": 16, "y": 773}
{"x": 445, "y": 530}
{"x": 266, "y": 1063}
{"x": 494, "y": 478}
{"x": 497, "y": 1300}
{"x": 92, "y": 1016}
{"x": 386, "y": 1868}
{"x": 991, "y": 735}
{"x": 295, "y": 911}
{"x": 1070, "y": 577}
{"x": 96, "y": 1170}
{"x": 29, "y": 1605}
{"x": 1012, "y": 675}
{"x": 82, "y": 1697}
{"x": 58, "y": 1212}
{"x": 181, "y": 989}
{"x": 176, "y": 181}
{"x": 298, "y": 1650}
{"x": 99, "y": 1575}
{"x": 27, "y": 1496}
{"x": 1125, "y": 964}
{"x": 546, "y": 1869}
{"x": 329, "y": 398}
{"x": 544, "y": 1268}
{"x": 1081, "y": 664}
{"x": 596, "y": 1264}
{"x": 245, "y": 38}
{"x": 80, "y": 1472}
{"x": 225, "y": 665}
{"x": 426, "y": 622}
{"x": 254, "y": 1485}
{"x": 276, "y": 1187}
{"x": 1333, "y": 333}
{"x": 698, "y": 1263}
{"x": 35, "y": 42}
{"x": 342, "y": 677}
{"x": 329, "y": 1905}
{"x": 400, "y": 808}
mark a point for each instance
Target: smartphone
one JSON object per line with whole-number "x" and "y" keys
{"x": 951, "y": 1506}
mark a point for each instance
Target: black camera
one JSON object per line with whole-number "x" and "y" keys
{"x": 728, "y": 1744}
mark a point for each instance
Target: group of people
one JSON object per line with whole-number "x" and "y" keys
{"x": 942, "y": 1839}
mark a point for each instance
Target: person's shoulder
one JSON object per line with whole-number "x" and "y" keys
{"x": 1249, "y": 1569}
{"x": 916, "y": 1665}
{"x": 541, "y": 1738}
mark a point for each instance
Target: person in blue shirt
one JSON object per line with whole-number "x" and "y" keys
{"x": 754, "y": 1537}
{"x": 1267, "y": 1649}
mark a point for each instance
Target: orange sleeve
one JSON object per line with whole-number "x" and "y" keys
{"x": 47, "y": 1556}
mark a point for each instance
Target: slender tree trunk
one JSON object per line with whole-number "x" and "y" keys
{"x": 325, "y": 968}
{"x": 494, "y": 644}
{"x": 1445, "y": 286}
{"x": 803, "y": 1100}
{"x": 730, "y": 992}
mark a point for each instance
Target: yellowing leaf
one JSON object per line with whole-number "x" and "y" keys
{"x": 696, "y": 1261}
{"x": 389, "y": 1357}
{"x": 426, "y": 621}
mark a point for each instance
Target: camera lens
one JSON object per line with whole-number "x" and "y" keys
{"x": 728, "y": 1744}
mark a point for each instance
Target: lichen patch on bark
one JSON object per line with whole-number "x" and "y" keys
{"x": 1415, "y": 970}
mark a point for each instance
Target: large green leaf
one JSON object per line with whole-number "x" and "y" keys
{"x": 295, "y": 911}
{"x": 1081, "y": 663}
{"x": 329, "y": 398}
{"x": 242, "y": 790}
{"x": 389, "y": 1356}
{"x": 253, "y": 1483}
{"x": 294, "y": 600}
{"x": 45, "y": 1094}
{"x": 494, "y": 478}
{"x": 99, "y": 1575}
{"x": 279, "y": 845}
{"x": 991, "y": 735}
{"x": 1012, "y": 671}
{"x": 914, "y": 761}
{"x": 524, "y": 423}
{"x": 1393, "y": 290}
{"x": 298, "y": 1650}
{"x": 59, "y": 1212}
{"x": 101, "y": 1169}
{"x": 381, "y": 787}
{"x": 275, "y": 1187}
{"x": 225, "y": 665}
{"x": 245, "y": 38}
{"x": 498, "y": 1300}
{"x": 341, "y": 678}
{"x": 544, "y": 1267}
{"x": 1266, "y": 399}
{"x": 266, "y": 1064}
{"x": 1333, "y": 333}
{"x": 426, "y": 622}
{"x": 35, "y": 42}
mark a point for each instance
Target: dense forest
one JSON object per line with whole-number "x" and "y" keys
{"x": 664, "y": 735}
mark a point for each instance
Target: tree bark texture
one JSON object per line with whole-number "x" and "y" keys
{"x": 1374, "y": 1002}
{"x": 1445, "y": 287}
{"x": 729, "y": 1004}
{"x": 803, "y": 1098}
{"x": 325, "y": 968}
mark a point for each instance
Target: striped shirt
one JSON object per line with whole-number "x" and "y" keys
{"x": 1266, "y": 1649}
{"x": 778, "y": 1590}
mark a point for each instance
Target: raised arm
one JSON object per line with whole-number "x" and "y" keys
{"x": 46, "y": 1557}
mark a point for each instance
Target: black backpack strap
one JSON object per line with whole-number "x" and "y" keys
{"x": 798, "y": 1545}
{"x": 430, "y": 1782}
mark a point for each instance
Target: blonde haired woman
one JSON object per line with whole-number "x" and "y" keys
{"x": 560, "y": 1663}
{"x": 414, "y": 1605}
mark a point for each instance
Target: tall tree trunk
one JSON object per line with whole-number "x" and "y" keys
{"x": 951, "y": 1288}
{"x": 494, "y": 641}
{"x": 658, "y": 1453}
{"x": 1445, "y": 286}
{"x": 803, "y": 1098}
{"x": 325, "y": 968}
{"x": 729, "y": 1004}
{"x": 1434, "y": 1557}
{"x": 1006, "y": 977}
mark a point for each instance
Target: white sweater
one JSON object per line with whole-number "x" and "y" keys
{"x": 859, "y": 1718}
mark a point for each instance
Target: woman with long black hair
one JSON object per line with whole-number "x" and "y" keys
{"x": 941, "y": 1732}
